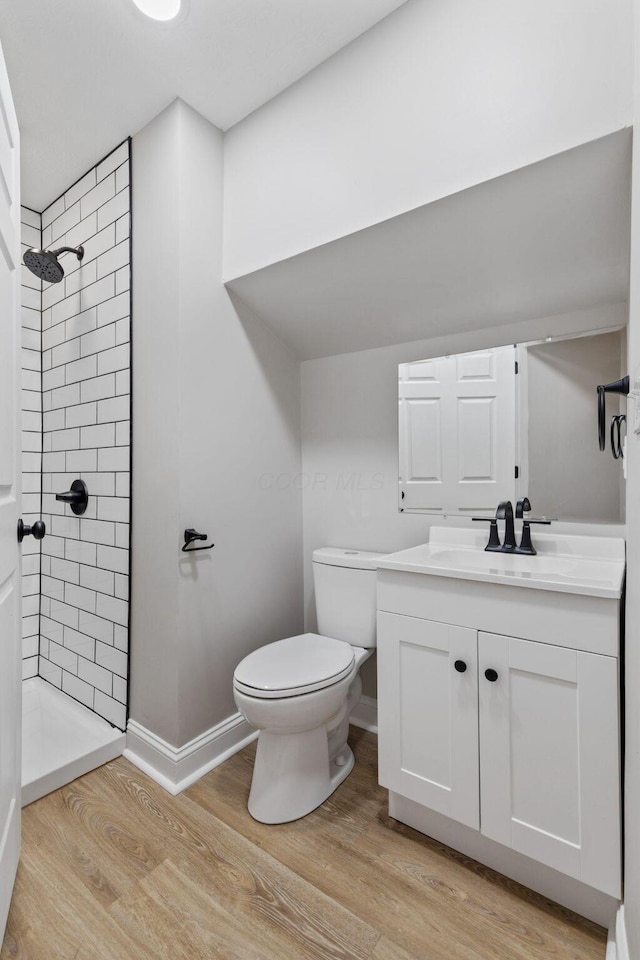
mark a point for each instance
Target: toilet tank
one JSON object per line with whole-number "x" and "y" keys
{"x": 345, "y": 588}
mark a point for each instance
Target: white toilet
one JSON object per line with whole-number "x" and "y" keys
{"x": 300, "y": 692}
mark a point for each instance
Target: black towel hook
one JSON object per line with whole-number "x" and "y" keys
{"x": 190, "y": 535}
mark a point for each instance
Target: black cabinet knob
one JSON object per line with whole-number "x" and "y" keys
{"x": 460, "y": 666}
{"x": 37, "y": 531}
{"x": 491, "y": 675}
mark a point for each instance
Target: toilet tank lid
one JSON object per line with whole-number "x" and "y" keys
{"x": 342, "y": 557}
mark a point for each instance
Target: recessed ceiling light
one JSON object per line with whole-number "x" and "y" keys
{"x": 159, "y": 9}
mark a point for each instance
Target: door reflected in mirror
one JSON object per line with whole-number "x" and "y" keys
{"x": 506, "y": 422}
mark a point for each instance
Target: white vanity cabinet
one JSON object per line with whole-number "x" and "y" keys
{"x": 513, "y": 733}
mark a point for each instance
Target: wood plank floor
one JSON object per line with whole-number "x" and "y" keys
{"x": 114, "y": 868}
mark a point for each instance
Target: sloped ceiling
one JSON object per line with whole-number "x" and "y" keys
{"x": 548, "y": 239}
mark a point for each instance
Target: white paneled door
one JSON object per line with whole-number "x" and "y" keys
{"x": 457, "y": 432}
{"x": 10, "y": 620}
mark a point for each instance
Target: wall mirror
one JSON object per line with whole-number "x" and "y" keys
{"x": 503, "y": 423}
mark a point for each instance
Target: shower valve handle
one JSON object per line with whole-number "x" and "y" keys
{"x": 77, "y": 497}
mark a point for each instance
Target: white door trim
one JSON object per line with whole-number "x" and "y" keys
{"x": 10, "y": 497}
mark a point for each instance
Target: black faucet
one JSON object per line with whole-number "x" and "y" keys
{"x": 505, "y": 512}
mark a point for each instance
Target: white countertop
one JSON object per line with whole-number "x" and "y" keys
{"x": 591, "y": 566}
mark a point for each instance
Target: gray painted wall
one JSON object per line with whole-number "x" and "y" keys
{"x": 437, "y": 97}
{"x": 216, "y": 414}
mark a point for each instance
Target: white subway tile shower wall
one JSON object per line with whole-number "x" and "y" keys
{"x": 31, "y": 322}
{"x": 86, "y": 411}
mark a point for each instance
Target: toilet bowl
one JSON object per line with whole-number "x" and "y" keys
{"x": 299, "y": 692}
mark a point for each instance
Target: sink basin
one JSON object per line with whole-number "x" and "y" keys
{"x": 592, "y": 566}
{"x": 503, "y": 562}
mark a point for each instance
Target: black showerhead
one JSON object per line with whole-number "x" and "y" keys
{"x": 45, "y": 265}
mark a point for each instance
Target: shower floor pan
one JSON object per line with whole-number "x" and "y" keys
{"x": 61, "y": 740}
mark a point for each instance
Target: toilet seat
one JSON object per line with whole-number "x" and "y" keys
{"x": 294, "y": 666}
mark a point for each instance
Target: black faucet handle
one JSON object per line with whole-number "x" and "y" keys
{"x": 522, "y": 506}
{"x": 526, "y": 545}
{"x": 493, "y": 543}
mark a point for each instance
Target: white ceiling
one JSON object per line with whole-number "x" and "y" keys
{"x": 86, "y": 74}
{"x": 548, "y": 239}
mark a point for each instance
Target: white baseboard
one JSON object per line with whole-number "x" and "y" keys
{"x": 617, "y": 944}
{"x": 176, "y": 768}
{"x": 365, "y": 714}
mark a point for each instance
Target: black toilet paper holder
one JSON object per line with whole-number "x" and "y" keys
{"x": 190, "y": 535}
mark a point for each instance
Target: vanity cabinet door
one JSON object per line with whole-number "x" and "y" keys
{"x": 550, "y": 774}
{"x": 428, "y": 714}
